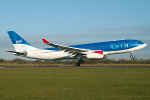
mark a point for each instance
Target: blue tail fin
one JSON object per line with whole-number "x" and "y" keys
{"x": 16, "y": 39}
{"x": 19, "y": 43}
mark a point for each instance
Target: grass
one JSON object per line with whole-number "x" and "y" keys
{"x": 69, "y": 65}
{"x": 74, "y": 84}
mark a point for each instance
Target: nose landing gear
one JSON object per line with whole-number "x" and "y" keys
{"x": 131, "y": 55}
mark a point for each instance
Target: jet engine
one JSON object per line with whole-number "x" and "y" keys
{"x": 94, "y": 56}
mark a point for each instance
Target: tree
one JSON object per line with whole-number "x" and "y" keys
{"x": 17, "y": 60}
{"x": 2, "y": 60}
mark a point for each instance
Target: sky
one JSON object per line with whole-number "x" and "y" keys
{"x": 69, "y": 22}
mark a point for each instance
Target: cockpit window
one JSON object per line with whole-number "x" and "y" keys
{"x": 139, "y": 42}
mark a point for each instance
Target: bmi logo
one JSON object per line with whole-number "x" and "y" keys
{"x": 18, "y": 42}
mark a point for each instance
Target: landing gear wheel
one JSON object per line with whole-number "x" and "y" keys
{"x": 81, "y": 62}
{"x": 77, "y": 64}
{"x": 131, "y": 56}
{"x": 134, "y": 58}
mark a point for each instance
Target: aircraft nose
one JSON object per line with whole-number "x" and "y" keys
{"x": 144, "y": 44}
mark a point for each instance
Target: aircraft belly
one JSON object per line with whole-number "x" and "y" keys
{"x": 47, "y": 54}
{"x": 53, "y": 55}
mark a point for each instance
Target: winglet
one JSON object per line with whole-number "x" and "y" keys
{"x": 45, "y": 41}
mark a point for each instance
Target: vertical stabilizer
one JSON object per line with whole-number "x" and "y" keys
{"x": 19, "y": 43}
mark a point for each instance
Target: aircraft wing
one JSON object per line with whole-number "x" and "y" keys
{"x": 71, "y": 50}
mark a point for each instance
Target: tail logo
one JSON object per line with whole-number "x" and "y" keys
{"x": 18, "y": 42}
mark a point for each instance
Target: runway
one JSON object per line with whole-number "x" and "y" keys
{"x": 80, "y": 67}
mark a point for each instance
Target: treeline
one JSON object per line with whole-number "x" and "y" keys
{"x": 86, "y": 61}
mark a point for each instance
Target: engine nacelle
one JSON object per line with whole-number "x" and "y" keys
{"x": 94, "y": 56}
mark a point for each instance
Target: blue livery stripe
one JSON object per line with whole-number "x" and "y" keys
{"x": 107, "y": 46}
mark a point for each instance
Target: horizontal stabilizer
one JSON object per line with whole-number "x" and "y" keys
{"x": 18, "y": 53}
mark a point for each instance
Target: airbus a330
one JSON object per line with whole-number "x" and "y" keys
{"x": 90, "y": 51}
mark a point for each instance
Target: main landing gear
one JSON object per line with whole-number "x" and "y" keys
{"x": 80, "y": 61}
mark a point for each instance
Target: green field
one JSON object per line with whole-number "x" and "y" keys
{"x": 74, "y": 84}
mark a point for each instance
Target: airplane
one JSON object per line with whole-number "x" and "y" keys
{"x": 90, "y": 51}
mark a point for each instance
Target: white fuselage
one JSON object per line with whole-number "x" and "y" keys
{"x": 91, "y": 50}
{"x": 52, "y": 55}
{"x": 47, "y": 54}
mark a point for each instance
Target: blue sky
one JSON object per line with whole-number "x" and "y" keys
{"x": 68, "y": 22}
